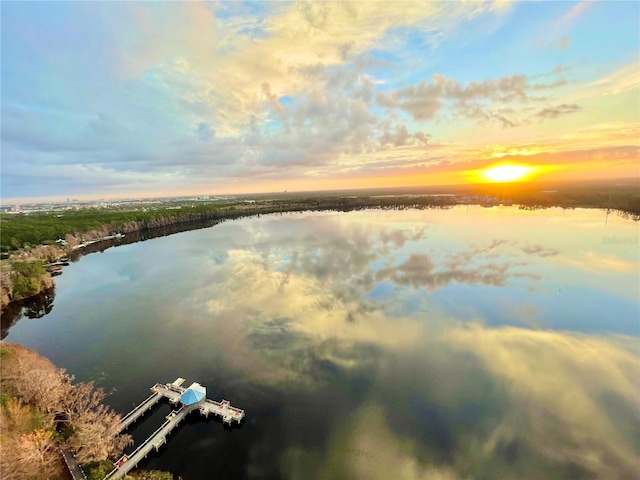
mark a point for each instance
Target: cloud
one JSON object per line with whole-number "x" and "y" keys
{"x": 293, "y": 45}
{"x": 508, "y": 88}
{"x": 540, "y": 250}
{"x": 576, "y": 11}
{"x": 623, "y": 80}
{"x": 272, "y": 97}
{"x": 481, "y": 101}
{"x": 421, "y": 272}
{"x": 309, "y": 311}
{"x": 238, "y": 97}
{"x": 556, "y": 83}
{"x": 559, "y": 69}
{"x": 422, "y": 101}
{"x": 568, "y": 153}
{"x": 597, "y": 263}
{"x": 401, "y": 137}
{"x": 368, "y": 449}
{"x": 204, "y": 132}
{"x": 499, "y": 402}
{"x": 421, "y": 395}
{"x": 567, "y": 385}
{"x": 555, "y": 112}
{"x": 476, "y": 265}
{"x": 307, "y": 290}
{"x": 561, "y": 43}
{"x": 482, "y": 114}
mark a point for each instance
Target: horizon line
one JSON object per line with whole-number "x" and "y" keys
{"x": 149, "y": 196}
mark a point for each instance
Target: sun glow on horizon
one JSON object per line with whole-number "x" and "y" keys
{"x": 506, "y": 173}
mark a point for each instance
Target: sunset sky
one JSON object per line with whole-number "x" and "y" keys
{"x": 168, "y": 98}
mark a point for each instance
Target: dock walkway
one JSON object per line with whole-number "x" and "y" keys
{"x": 73, "y": 465}
{"x": 172, "y": 392}
{"x": 139, "y": 411}
{"x": 155, "y": 441}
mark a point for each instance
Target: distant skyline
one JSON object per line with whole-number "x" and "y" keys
{"x": 115, "y": 99}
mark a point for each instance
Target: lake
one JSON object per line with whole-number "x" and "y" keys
{"x": 470, "y": 342}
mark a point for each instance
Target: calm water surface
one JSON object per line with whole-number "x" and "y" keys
{"x": 439, "y": 344}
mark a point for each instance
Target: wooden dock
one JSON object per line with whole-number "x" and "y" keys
{"x": 139, "y": 411}
{"x": 172, "y": 392}
{"x": 145, "y": 406}
{"x": 223, "y": 409}
{"x": 158, "y": 438}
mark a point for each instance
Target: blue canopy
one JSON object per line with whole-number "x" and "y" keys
{"x": 192, "y": 395}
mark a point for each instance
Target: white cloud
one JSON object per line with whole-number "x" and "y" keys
{"x": 622, "y": 80}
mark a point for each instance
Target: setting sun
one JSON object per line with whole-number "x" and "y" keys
{"x": 506, "y": 173}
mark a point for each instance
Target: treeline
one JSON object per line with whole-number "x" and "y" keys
{"x": 28, "y": 231}
{"x": 43, "y": 411}
{"x": 628, "y": 205}
{"x": 621, "y": 195}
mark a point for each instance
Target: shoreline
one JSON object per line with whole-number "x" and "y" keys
{"x": 83, "y": 243}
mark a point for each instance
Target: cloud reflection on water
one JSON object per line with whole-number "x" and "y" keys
{"x": 382, "y": 344}
{"x": 265, "y": 304}
{"x": 292, "y": 303}
{"x": 478, "y": 402}
{"x": 563, "y": 384}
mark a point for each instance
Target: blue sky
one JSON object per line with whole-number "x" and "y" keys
{"x": 132, "y": 98}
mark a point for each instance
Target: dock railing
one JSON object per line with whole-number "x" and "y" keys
{"x": 172, "y": 392}
{"x": 139, "y": 410}
{"x": 124, "y": 466}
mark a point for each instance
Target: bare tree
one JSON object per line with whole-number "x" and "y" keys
{"x": 34, "y": 379}
{"x": 36, "y": 385}
{"x": 96, "y": 436}
{"x": 81, "y": 398}
{"x": 70, "y": 240}
{"x": 96, "y": 426}
{"x": 37, "y": 453}
{"x": 28, "y": 448}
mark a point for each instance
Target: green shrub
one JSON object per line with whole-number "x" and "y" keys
{"x": 27, "y": 282}
{"x": 97, "y": 470}
{"x": 29, "y": 269}
{"x": 24, "y": 287}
